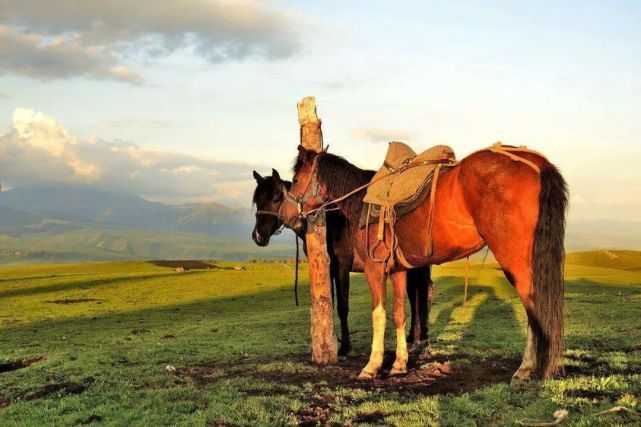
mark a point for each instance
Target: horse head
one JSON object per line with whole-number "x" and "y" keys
{"x": 268, "y": 198}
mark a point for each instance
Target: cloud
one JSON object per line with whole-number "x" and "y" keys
{"x": 46, "y": 39}
{"x": 4, "y": 96}
{"x": 40, "y": 151}
{"x": 382, "y": 135}
{"x": 30, "y": 55}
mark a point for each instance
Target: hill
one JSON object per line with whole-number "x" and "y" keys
{"x": 622, "y": 260}
{"x": 78, "y": 223}
{"x": 90, "y": 204}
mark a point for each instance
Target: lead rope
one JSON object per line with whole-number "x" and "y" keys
{"x": 296, "y": 272}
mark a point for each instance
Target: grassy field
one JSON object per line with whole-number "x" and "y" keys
{"x": 133, "y": 343}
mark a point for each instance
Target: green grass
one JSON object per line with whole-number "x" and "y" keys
{"x": 240, "y": 348}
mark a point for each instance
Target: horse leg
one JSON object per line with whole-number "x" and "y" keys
{"x": 520, "y": 276}
{"x": 376, "y": 276}
{"x": 342, "y": 281}
{"x": 426, "y": 297}
{"x": 420, "y": 289}
{"x": 399, "y": 286}
{"x": 412, "y": 293}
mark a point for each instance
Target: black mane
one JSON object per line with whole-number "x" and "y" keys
{"x": 340, "y": 177}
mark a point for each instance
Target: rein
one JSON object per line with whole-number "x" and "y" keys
{"x": 302, "y": 198}
{"x": 280, "y": 229}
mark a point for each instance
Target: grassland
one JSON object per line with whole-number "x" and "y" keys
{"x": 132, "y": 343}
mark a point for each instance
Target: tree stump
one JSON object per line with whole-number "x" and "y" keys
{"x": 324, "y": 346}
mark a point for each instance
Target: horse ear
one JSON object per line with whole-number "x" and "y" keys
{"x": 304, "y": 154}
{"x": 257, "y": 177}
{"x": 325, "y": 149}
{"x": 276, "y": 175}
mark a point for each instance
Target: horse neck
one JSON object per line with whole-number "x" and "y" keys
{"x": 341, "y": 182}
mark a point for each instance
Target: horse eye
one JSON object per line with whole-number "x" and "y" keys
{"x": 278, "y": 199}
{"x": 295, "y": 180}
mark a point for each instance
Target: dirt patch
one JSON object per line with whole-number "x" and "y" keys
{"x": 376, "y": 417}
{"x": 140, "y": 331}
{"x": 185, "y": 264}
{"x": 203, "y": 375}
{"x": 432, "y": 376}
{"x": 168, "y": 337}
{"x": 58, "y": 389}
{"x": 14, "y": 365}
{"x": 94, "y": 418}
{"x": 316, "y": 413}
{"x": 218, "y": 423}
{"x": 75, "y": 300}
{"x": 4, "y": 402}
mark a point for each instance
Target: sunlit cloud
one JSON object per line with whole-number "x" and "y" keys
{"x": 40, "y": 151}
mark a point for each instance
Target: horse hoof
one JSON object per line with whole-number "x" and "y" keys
{"x": 366, "y": 375}
{"x": 519, "y": 379}
{"x": 398, "y": 371}
{"x": 343, "y": 352}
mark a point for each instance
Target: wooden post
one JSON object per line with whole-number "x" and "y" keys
{"x": 324, "y": 347}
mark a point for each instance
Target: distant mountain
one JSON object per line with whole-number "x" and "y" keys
{"x": 214, "y": 217}
{"x": 603, "y": 234}
{"x": 92, "y": 205}
{"x": 76, "y": 223}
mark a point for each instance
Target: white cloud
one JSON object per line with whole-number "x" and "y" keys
{"x": 47, "y": 39}
{"x": 40, "y": 151}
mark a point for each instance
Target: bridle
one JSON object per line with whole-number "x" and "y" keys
{"x": 311, "y": 189}
{"x": 278, "y": 214}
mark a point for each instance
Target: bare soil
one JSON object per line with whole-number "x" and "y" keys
{"x": 14, "y": 365}
{"x": 186, "y": 264}
{"x": 75, "y": 300}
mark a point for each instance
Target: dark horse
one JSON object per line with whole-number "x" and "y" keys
{"x": 268, "y": 197}
{"x": 513, "y": 203}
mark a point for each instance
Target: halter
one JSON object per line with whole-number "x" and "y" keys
{"x": 311, "y": 190}
{"x": 278, "y": 214}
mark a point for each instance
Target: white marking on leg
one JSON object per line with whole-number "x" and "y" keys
{"x": 528, "y": 365}
{"x": 378, "y": 343}
{"x": 379, "y": 319}
{"x": 400, "y": 364}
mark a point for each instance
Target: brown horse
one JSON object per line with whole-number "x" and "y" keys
{"x": 268, "y": 198}
{"x": 515, "y": 207}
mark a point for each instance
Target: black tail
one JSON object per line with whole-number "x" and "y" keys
{"x": 548, "y": 259}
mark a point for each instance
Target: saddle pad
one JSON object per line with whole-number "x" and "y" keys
{"x": 400, "y": 209}
{"x": 404, "y": 174}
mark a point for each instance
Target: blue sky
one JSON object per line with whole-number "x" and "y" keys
{"x": 561, "y": 77}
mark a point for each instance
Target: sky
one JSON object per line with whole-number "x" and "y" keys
{"x": 179, "y": 100}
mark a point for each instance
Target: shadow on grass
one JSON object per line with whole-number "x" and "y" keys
{"x": 82, "y": 284}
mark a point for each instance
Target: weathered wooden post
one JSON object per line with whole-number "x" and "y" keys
{"x": 324, "y": 347}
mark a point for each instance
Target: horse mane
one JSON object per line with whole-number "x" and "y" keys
{"x": 340, "y": 177}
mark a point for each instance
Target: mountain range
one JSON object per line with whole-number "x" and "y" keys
{"x": 64, "y": 223}
{"x": 79, "y": 222}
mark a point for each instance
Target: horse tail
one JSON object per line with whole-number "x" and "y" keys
{"x": 547, "y": 267}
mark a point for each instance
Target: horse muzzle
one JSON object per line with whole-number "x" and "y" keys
{"x": 259, "y": 239}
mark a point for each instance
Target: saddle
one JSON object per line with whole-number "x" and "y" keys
{"x": 403, "y": 182}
